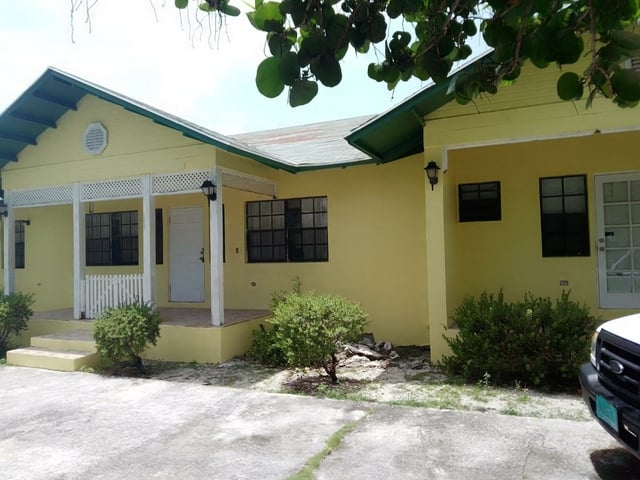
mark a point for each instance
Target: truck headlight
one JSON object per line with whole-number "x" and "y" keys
{"x": 592, "y": 354}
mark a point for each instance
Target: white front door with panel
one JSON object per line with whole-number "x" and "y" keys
{"x": 618, "y": 239}
{"x": 186, "y": 255}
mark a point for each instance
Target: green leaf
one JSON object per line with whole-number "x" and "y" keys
{"x": 626, "y": 85}
{"x": 302, "y": 92}
{"x": 625, "y": 39}
{"x": 338, "y": 31}
{"x": 205, "y": 7}
{"x": 279, "y": 43}
{"x": 327, "y": 69}
{"x": 289, "y": 69}
{"x": 230, "y": 10}
{"x": 181, "y": 3}
{"x": 375, "y": 72}
{"x": 469, "y": 27}
{"x": 267, "y": 17}
{"x": 569, "y": 86}
{"x": 394, "y": 8}
{"x": 378, "y": 28}
{"x": 268, "y": 77}
{"x": 568, "y": 47}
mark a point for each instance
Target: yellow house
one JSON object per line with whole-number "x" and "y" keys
{"x": 104, "y": 198}
{"x": 535, "y": 194}
{"x": 104, "y": 205}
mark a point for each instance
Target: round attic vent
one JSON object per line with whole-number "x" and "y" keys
{"x": 95, "y": 139}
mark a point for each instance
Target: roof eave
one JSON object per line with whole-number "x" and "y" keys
{"x": 414, "y": 108}
{"x": 156, "y": 117}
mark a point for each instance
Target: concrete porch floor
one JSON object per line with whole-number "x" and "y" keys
{"x": 186, "y": 317}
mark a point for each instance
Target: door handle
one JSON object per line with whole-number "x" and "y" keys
{"x": 202, "y": 255}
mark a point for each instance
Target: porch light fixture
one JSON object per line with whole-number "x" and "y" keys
{"x": 208, "y": 189}
{"x": 432, "y": 172}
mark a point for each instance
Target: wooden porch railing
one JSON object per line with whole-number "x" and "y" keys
{"x": 108, "y": 291}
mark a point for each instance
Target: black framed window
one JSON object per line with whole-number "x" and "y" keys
{"x": 19, "y": 244}
{"x": 564, "y": 216}
{"x": 292, "y": 230}
{"x": 479, "y": 202}
{"x": 112, "y": 238}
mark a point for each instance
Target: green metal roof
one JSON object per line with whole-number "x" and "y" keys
{"x": 398, "y": 132}
{"x": 56, "y": 92}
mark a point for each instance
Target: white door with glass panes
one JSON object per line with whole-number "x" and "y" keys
{"x": 618, "y": 239}
{"x": 186, "y": 255}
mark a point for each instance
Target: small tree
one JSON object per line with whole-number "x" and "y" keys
{"x": 309, "y": 328}
{"x": 123, "y": 333}
{"x": 15, "y": 310}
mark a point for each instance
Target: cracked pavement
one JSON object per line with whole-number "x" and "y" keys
{"x": 59, "y": 425}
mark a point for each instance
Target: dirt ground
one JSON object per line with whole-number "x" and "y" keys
{"x": 403, "y": 377}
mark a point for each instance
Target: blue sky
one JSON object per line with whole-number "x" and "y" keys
{"x": 143, "y": 49}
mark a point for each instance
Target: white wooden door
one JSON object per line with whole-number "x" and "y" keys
{"x": 186, "y": 255}
{"x": 618, "y": 239}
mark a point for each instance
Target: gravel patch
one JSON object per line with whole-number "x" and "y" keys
{"x": 405, "y": 378}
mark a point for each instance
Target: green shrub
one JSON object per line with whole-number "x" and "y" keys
{"x": 15, "y": 311}
{"x": 124, "y": 332}
{"x": 309, "y": 328}
{"x": 264, "y": 348}
{"x": 534, "y": 341}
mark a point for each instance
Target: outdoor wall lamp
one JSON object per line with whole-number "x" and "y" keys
{"x": 432, "y": 172}
{"x": 208, "y": 189}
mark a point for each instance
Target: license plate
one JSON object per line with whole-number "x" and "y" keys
{"x": 606, "y": 412}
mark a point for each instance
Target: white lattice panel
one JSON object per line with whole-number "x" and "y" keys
{"x": 59, "y": 195}
{"x": 127, "y": 188}
{"x": 248, "y": 183}
{"x": 179, "y": 182}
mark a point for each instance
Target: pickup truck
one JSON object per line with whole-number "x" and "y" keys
{"x": 610, "y": 382}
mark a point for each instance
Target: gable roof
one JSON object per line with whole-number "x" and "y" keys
{"x": 398, "y": 132}
{"x": 317, "y": 145}
{"x": 56, "y": 92}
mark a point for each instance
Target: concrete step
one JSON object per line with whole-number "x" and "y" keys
{"x": 51, "y": 359}
{"x": 77, "y": 340}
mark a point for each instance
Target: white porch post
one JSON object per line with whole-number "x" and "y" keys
{"x": 79, "y": 251}
{"x": 9, "y": 227}
{"x": 148, "y": 241}
{"x": 215, "y": 247}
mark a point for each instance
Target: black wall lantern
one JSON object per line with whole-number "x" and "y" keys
{"x": 432, "y": 172}
{"x": 208, "y": 189}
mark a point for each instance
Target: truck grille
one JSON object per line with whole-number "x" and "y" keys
{"x": 613, "y": 351}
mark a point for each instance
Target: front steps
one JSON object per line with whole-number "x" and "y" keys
{"x": 67, "y": 352}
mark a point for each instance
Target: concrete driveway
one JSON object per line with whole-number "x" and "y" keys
{"x": 82, "y": 426}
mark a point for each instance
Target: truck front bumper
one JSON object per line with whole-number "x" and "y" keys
{"x": 627, "y": 430}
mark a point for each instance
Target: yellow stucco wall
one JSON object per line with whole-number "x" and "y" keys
{"x": 522, "y": 134}
{"x": 376, "y": 246}
{"x": 507, "y": 254}
{"x": 136, "y": 146}
{"x": 175, "y": 343}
